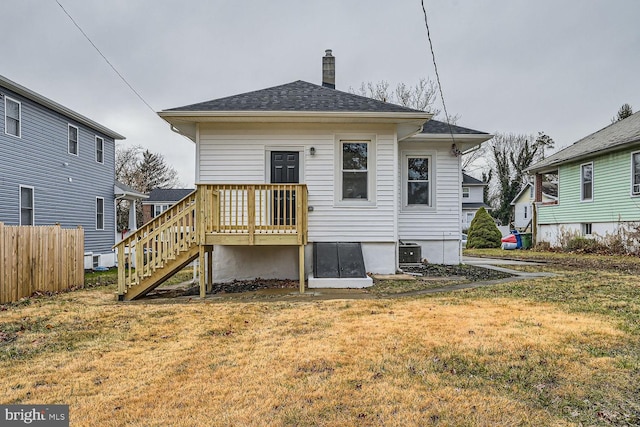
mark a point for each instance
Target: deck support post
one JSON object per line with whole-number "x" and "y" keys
{"x": 301, "y": 267}
{"x": 210, "y": 268}
{"x": 202, "y": 274}
{"x": 122, "y": 287}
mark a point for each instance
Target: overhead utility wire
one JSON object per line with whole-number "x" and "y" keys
{"x": 105, "y": 58}
{"x": 433, "y": 56}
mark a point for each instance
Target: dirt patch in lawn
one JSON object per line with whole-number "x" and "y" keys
{"x": 435, "y": 276}
{"x": 422, "y": 277}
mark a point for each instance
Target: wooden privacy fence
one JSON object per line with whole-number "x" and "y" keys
{"x": 39, "y": 258}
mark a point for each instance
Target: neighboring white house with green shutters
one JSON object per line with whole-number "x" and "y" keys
{"x": 598, "y": 184}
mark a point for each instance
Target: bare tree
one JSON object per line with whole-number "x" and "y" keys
{"x": 421, "y": 96}
{"x": 509, "y": 157}
{"x": 143, "y": 171}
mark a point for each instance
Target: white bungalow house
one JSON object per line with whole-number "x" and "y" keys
{"x": 523, "y": 203}
{"x": 472, "y": 199}
{"x": 343, "y": 177}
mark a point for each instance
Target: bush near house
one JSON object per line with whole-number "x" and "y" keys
{"x": 483, "y": 233}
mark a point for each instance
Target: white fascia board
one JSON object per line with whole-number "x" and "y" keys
{"x": 46, "y": 102}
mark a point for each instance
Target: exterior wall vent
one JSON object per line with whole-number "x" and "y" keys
{"x": 410, "y": 253}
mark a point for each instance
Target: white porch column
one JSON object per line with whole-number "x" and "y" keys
{"x": 132, "y": 216}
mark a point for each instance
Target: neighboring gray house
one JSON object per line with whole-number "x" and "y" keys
{"x": 161, "y": 199}
{"x": 57, "y": 166}
{"x": 472, "y": 199}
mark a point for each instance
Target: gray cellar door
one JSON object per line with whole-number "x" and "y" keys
{"x": 338, "y": 260}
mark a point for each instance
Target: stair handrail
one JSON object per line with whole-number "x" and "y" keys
{"x": 176, "y": 216}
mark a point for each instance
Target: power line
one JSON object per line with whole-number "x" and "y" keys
{"x": 105, "y": 58}
{"x": 435, "y": 66}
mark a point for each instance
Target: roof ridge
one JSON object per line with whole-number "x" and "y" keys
{"x": 298, "y": 95}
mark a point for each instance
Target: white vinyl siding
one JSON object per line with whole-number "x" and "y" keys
{"x": 12, "y": 117}
{"x": 441, "y": 221}
{"x": 240, "y": 153}
{"x": 74, "y": 134}
{"x": 27, "y": 205}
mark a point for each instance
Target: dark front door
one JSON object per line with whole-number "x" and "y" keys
{"x": 285, "y": 169}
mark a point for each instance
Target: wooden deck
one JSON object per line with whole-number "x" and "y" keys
{"x": 214, "y": 214}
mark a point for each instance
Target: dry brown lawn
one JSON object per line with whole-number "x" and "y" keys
{"x": 501, "y": 356}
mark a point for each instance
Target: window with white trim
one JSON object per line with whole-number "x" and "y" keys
{"x": 158, "y": 209}
{"x": 587, "y": 229}
{"x": 73, "y": 140}
{"x": 99, "y": 150}
{"x": 26, "y": 205}
{"x": 355, "y": 170}
{"x": 12, "y": 117}
{"x": 99, "y": 213}
{"x": 635, "y": 173}
{"x": 418, "y": 179}
{"x": 586, "y": 182}
{"x": 465, "y": 192}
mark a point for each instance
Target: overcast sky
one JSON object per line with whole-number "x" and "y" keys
{"x": 523, "y": 66}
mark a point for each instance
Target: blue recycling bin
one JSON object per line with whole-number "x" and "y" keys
{"x": 518, "y": 239}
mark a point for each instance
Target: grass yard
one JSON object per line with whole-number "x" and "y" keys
{"x": 552, "y": 351}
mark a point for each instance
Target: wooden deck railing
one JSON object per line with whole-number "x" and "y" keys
{"x": 238, "y": 214}
{"x": 254, "y": 209}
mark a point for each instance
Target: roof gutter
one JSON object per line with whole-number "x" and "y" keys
{"x": 284, "y": 116}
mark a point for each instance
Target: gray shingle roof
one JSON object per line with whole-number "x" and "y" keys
{"x": 616, "y": 135}
{"x": 469, "y": 180}
{"x": 171, "y": 195}
{"x": 476, "y": 205}
{"x": 297, "y": 96}
{"x": 438, "y": 127}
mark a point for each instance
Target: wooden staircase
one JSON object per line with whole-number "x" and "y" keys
{"x": 239, "y": 214}
{"x": 158, "y": 250}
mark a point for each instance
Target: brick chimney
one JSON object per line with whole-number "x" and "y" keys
{"x": 329, "y": 70}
